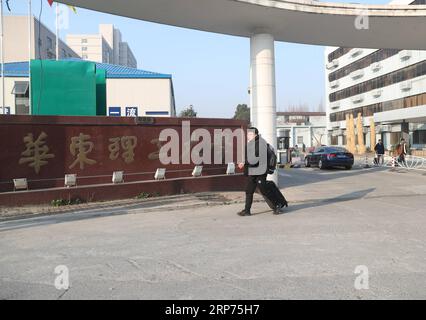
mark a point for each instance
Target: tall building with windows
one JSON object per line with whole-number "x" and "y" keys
{"x": 386, "y": 85}
{"x": 43, "y": 41}
{"x": 17, "y": 42}
{"x": 105, "y": 47}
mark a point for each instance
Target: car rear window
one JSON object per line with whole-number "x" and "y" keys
{"x": 336, "y": 149}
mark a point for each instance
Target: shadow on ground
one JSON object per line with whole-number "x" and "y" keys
{"x": 318, "y": 203}
{"x": 313, "y": 175}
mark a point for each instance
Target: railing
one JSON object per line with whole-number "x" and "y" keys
{"x": 410, "y": 163}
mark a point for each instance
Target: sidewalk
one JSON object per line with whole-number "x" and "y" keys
{"x": 298, "y": 185}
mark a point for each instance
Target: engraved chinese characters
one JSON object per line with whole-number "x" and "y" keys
{"x": 82, "y": 148}
{"x": 36, "y": 152}
{"x": 127, "y": 143}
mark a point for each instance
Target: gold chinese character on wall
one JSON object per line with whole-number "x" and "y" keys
{"x": 36, "y": 152}
{"x": 80, "y": 147}
{"x": 127, "y": 143}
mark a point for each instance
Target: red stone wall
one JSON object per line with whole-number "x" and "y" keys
{"x": 45, "y": 148}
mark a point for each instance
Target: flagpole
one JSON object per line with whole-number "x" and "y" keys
{"x": 29, "y": 54}
{"x": 2, "y": 55}
{"x": 57, "y": 31}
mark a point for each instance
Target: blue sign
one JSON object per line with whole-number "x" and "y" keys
{"x": 131, "y": 111}
{"x": 114, "y": 111}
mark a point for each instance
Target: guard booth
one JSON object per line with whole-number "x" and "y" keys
{"x": 283, "y": 146}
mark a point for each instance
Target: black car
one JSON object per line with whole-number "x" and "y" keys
{"x": 327, "y": 157}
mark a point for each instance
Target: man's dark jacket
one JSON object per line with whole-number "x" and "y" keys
{"x": 379, "y": 148}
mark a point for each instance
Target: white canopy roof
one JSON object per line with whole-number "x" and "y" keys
{"x": 311, "y": 22}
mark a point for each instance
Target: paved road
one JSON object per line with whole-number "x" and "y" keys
{"x": 337, "y": 220}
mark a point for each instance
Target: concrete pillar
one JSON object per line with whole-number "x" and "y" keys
{"x": 263, "y": 95}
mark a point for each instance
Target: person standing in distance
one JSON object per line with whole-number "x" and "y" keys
{"x": 380, "y": 151}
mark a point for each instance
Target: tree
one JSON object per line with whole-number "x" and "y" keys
{"x": 242, "y": 112}
{"x": 320, "y": 107}
{"x": 189, "y": 112}
{"x": 301, "y": 107}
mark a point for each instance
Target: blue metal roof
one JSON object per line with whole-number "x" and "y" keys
{"x": 20, "y": 69}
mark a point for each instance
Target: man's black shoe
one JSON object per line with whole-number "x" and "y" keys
{"x": 280, "y": 210}
{"x": 244, "y": 213}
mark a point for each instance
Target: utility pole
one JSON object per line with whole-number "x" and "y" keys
{"x": 2, "y": 55}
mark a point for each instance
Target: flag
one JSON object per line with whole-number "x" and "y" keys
{"x": 50, "y": 2}
{"x": 72, "y": 8}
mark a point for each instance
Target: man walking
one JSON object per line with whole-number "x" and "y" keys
{"x": 255, "y": 168}
{"x": 380, "y": 151}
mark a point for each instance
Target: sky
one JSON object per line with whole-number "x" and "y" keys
{"x": 210, "y": 71}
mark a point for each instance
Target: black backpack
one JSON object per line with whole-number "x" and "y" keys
{"x": 272, "y": 159}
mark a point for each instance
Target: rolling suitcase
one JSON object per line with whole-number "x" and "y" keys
{"x": 273, "y": 196}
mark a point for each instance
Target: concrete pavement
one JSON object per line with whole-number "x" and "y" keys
{"x": 337, "y": 220}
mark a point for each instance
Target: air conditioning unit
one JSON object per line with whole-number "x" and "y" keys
{"x": 357, "y": 74}
{"x": 376, "y": 66}
{"x": 333, "y": 64}
{"x": 376, "y": 93}
{"x": 334, "y": 84}
{"x": 405, "y": 54}
{"x": 357, "y": 99}
{"x": 356, "y": 52}
{"x": 405, "y": 86}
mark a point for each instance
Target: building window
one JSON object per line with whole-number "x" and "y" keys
{"x": 394, "y": 77}
{"x": 299, "y": 139}
{"x": 370, "y": 110}
{"x": 376, "y": 56}
{"x": 49, "y": 43}
{"x": 83, "y": 40}
{"x": 336, "y": 54}
{"x": 21, "y": 92}
{"x": 84, "y": 56}
{"x": 83, "y": 48}
{"x": 419, "y": 137}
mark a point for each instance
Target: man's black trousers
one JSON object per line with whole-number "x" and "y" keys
{"x": 252, "y": 183}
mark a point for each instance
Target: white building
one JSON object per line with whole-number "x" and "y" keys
{"x": 43, "y": 41}
{"x": 129, "y": 92}
{"x": 106, "y": 46}
{"x": 302, "y": 128}
{"x": 388, "y": 85}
